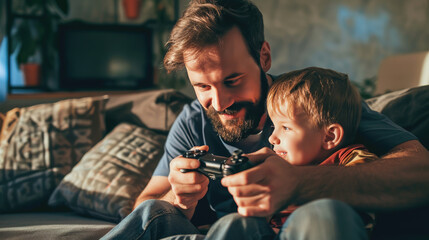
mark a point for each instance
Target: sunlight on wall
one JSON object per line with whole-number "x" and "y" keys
{"x": 424, "y": 79}
{"x": 3, "y": 84}
{"x": 353, "y": 37}
{"x": 362, "y": 27}
{"x": 16, "y": 77}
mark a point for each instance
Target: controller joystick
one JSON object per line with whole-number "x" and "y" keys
{"x": 216, "y": 167}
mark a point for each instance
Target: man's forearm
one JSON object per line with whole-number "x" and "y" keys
{"x": 167, "y": 196}
{"x": 399, "y": 180}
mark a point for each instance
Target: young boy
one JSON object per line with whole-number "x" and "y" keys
{"x": 315, "y": 113}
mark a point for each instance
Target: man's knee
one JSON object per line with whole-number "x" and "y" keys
{"x": 155, "y": 207}
{"x": 234, "y": 219}
{"x": 234, "y": 226}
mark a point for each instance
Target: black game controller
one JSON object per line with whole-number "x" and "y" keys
{"x": 216, "y": 167}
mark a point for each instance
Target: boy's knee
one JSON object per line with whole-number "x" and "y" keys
{"x": 326, "y": 207}
{"x": 326, "y": 210}
{"x": 330, "y": 217}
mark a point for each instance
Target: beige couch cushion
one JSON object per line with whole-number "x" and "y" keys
{"x": 51, "y": 226}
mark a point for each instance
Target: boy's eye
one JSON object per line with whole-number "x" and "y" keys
{"x": 285, "y": 128}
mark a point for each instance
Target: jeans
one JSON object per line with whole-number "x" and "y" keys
{"x": 321, "y": 219}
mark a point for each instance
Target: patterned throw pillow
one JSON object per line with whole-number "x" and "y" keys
{"x": 40, "y": 144}
{"x": 408, "y": 108}
{"x": 108, "y": 179}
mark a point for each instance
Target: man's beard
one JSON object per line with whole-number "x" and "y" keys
{"x": 237, "y": 129}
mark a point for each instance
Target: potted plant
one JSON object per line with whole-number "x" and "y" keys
{"x": 132, "y": 8}
{"x": 164, "y": 21}
{"x": 34, "y": 38}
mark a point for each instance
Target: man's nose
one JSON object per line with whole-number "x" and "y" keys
{"x": 221, "y": 100}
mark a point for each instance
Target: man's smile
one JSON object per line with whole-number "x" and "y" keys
{"x": 234, "y": 115}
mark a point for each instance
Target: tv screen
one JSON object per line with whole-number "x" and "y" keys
{"x": 98, "y": 56}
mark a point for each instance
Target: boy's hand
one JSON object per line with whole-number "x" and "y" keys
{"x": 265, "y": 188}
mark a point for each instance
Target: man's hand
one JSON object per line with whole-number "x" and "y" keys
{"x": 188, "y": 188}
{"x": 265, "y": 188}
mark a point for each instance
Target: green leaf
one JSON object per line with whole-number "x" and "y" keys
{"x": 26, "y": 41}
{"x": 63, "y": 5}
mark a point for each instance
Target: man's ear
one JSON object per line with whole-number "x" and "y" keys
{"x": 334, "y": 134}
{"x": 265, "y": 56}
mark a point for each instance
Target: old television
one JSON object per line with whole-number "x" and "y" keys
{"x": 104, "y": 57}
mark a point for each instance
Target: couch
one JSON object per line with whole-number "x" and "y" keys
{"x": 71, "y": 168}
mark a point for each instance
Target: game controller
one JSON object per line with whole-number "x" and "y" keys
{"x": 217, "y": 167}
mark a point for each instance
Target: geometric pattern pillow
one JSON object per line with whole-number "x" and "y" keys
{"x": 40, "y": 144}
{"x": 109, "y": 178}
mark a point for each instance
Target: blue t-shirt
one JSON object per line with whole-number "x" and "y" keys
{"x": 193, "y": 128}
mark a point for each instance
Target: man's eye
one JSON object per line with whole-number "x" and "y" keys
{"x": 231, "y": 83}
{"x": 203, "y": 87}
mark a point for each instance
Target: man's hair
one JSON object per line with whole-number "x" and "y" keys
{"x": 204, "y": 22}
{"x": 326, "y": 97}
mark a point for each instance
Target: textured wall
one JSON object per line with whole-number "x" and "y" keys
{"x": 2, "y": 20}
{"x": 349, "y": 36}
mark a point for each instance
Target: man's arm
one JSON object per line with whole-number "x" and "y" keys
{"x": 182, "y": 190}
{"x": 160, "y": 188}
{"x": 157, "y": 188}
{"x": 168, "y": 183}
{"x": 397, "y": 181}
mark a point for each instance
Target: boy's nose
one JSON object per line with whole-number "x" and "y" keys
{"x": 274, "y": 140}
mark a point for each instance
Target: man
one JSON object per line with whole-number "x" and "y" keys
{"x": 221, "y": 44}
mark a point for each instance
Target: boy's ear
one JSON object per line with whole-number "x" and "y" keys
{"x": 265, "y": 56}
{"x": 334, "y": 134}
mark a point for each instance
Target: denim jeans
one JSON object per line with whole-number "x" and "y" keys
{"x": 321, "y": 219}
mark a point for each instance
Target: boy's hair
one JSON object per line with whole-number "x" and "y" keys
{"x": 204, "y": 22}
{"x": 326, "y": 96}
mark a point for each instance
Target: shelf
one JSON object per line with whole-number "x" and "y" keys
{"x": 26, "y": 87}
{"x": 17, "y": 15}
{"x": 65, "y": 94}
{"x": 30, "y": 16}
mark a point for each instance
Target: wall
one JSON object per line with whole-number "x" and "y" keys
{"x": 351, "y": 36}
{"x": 110, "y": 11}
{"x": 3, "y": 91}
{"x": 2, "y": 20}
{"x": 348, "y": 36}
